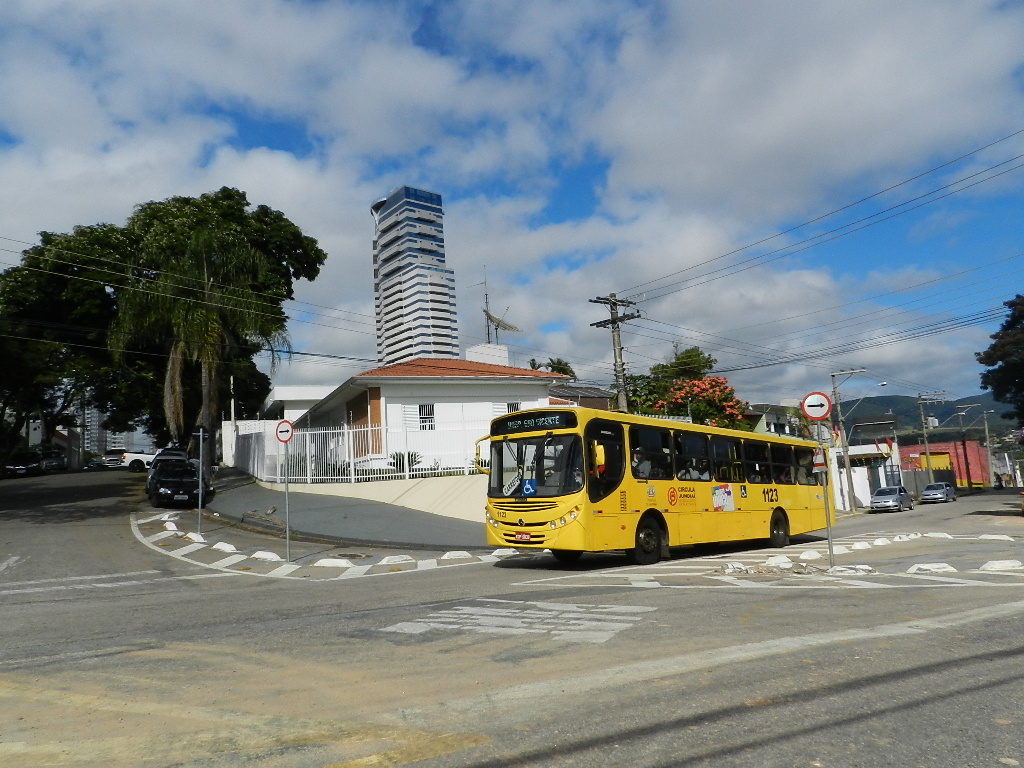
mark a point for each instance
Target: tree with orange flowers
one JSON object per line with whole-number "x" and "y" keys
{"x": 709, "y": 400}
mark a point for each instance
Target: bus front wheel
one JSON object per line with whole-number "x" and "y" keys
{"x": 566, "y": 555}
{"x": 778, "y": 529}
{"x": 648, "y": 542}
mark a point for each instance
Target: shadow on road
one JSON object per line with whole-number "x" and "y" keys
{"x": 68, "y": 498}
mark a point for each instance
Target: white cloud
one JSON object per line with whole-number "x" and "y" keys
{"x": 719, "y": 123}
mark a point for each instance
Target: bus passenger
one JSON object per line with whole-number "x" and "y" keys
{"x": 641, "y": 466}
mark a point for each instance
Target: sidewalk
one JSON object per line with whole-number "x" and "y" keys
{"x": 340, "y": 519}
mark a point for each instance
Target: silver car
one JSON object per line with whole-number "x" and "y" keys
{"x": 891, "y": 497}
{"x": 938, "y": 492}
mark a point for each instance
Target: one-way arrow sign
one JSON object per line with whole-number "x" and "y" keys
{"x": 816, "y": 406}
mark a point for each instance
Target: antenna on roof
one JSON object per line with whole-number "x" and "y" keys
{"x": 492, "y": 319}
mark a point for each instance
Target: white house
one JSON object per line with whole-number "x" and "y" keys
{"x": 414, "y": 418}
{"x": 290, "y": 402}
{"x": 430, "y": 393}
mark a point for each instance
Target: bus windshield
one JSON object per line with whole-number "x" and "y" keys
{"x": 551, "y": 465}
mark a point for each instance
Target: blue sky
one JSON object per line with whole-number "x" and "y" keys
{"x": 581, "y": 148}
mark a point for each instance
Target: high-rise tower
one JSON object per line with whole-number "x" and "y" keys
{"x": 414, "y": 293}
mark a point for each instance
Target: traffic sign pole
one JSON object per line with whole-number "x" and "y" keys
{"x": 285, "y": 431}
{"x": 817, "y": 407}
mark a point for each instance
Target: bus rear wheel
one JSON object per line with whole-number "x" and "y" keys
{"x": 566, "y": 555}
{"x": 647, "y": 550}
{"x": 778, "y": 529}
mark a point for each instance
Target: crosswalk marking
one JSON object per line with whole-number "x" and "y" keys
{"x": 571, "y": 622}
{"x": 284, "y": 570}
{"x": 229, "y": 561}
{"x": 802, "y": 565}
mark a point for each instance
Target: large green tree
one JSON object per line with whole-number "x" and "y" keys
{"x": 232, "y": 264}
{"x": 1004, "y": 360}
{"x": 209, "y": 278}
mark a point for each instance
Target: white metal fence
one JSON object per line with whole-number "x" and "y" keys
{"x": 355, "y": 455}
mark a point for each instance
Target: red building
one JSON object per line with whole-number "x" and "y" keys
{"x": 950, "y": 455}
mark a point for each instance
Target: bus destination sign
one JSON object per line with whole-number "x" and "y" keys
{"x": 533, "y": 422}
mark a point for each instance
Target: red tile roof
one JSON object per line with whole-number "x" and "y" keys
{"x": 449, "y": 366}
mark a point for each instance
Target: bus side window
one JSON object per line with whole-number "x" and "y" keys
{"x": 782, "y": 464}
{"x": 691, "y": 456}
{"x": 725, "y": 457}
{"x": 755, "y": 455}
{"x": 652, "y": 449}
{"x": 805, "y": 466}
{"x": 606, "y": 459}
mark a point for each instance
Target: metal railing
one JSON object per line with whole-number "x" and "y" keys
{"x": 360, "y": 454}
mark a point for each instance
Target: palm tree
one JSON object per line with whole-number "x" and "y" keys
{"x": 559, "y": 365}
{"x": 202, "y": 301}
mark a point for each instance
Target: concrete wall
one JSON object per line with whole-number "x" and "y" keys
{"x": 460, "y": 497}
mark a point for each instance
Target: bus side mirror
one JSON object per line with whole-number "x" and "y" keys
{"x": 476, "y": 460}
{"x": 599, "y": 458}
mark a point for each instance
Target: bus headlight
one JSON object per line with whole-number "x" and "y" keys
{"x": 561, "y": 521}
{"x": 553, "y": 524}
{"x": 572, "y": 515}
{"x": 494, "y": 523}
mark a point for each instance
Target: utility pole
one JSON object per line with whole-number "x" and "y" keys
{"x": 851, "y": 500}
{"x": 988, "y": 451}
{"x": 613, "y": 322}
{"x": 922, "y": 398}
{"x": 961, "y": 410}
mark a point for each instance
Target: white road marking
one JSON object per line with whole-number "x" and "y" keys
{"x": 109, "y": 585}
{"x": 188, "y": 549}
{"x": 228, "y": 561}
{"x": 10, "y": 561}
{"x": 284, "y": 570}
{"x": 563, "y": 621}
{"x": 356, "y": 570}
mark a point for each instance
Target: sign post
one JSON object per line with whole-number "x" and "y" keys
{"x": 200, "y": 434}
{"x": 817, "y": 407}
{"x": 285, "y": 432}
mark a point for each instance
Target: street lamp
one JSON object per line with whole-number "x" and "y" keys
{"x": 851, "y": 500}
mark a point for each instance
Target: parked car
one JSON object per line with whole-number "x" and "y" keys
{"x": 167, "y": 454}
{"x": 22, "y": 463}
{"x": 177, "y": 481}
{"x": 54, "y": 458}
{"x": 938, "y": 492}
{"x": 96, "y": 462}
{"x": 891, "y": 497}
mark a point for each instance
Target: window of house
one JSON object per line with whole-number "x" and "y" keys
{"x": 426, "y": 416}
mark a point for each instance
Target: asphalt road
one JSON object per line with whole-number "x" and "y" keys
{"x": 117, "y": 651}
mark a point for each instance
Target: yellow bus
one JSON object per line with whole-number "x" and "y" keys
{"x": 579, "y": 480}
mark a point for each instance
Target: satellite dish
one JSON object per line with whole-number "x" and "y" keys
{"x": 494, "y": 320}
{"x": 499, "y": 324}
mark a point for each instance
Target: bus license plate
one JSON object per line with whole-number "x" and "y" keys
{"x": 522, "y": 537}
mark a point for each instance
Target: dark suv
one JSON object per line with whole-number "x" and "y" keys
{"x": 176, "y": 482}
